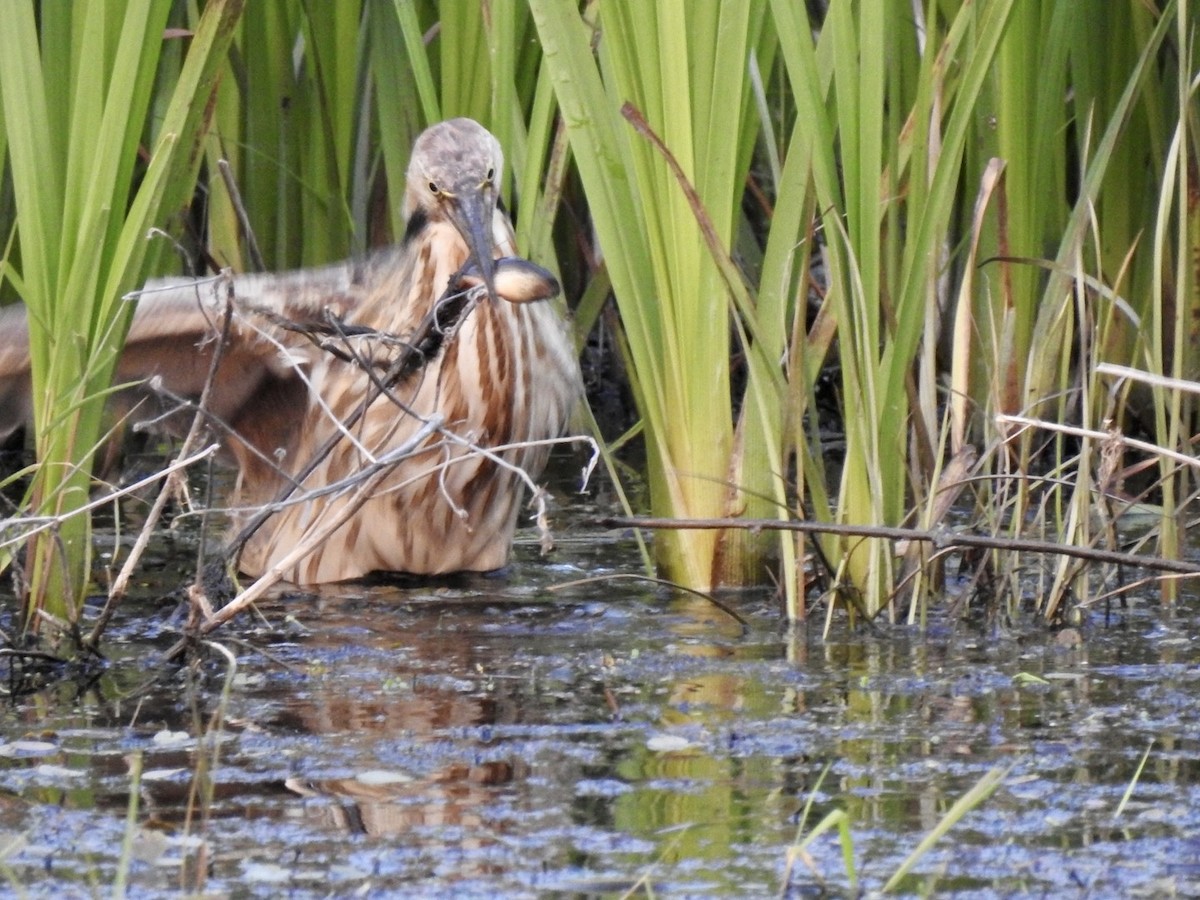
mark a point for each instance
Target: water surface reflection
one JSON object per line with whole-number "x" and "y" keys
{"x": 495, "y": 737}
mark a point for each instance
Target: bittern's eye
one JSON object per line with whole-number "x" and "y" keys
{"x": 491, "y": 174}
{"x": 433, "y": 188}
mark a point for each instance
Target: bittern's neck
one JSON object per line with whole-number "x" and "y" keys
{"x": 428, "y": 236}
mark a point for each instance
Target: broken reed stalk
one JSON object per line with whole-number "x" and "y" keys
{"x": 940, "y": 539}
{"x": 1113, "y": 435}
{"x": 1149, "y": 378}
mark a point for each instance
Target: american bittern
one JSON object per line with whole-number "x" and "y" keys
{"x": 300, "y": 420}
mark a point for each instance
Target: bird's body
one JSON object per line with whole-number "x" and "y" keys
{"x": 312, "y": 432}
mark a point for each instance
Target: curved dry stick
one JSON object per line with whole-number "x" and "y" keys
{"x": 940, "y": 539}
{"x": 116, "y": 592}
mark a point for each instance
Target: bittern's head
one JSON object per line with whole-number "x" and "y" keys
{"x": 454, "y": 176}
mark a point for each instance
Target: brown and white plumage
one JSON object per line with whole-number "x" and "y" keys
{"x": 506, "y": 379}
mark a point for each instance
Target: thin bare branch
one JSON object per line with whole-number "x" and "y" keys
{"x": 30, "y": 525}
{"x": 117, "y": 589}
{"x": 940, "y": 539}
{"x": 1075, "y": 431}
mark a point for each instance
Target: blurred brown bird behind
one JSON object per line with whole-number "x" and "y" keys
{"x": 298, "y": 419}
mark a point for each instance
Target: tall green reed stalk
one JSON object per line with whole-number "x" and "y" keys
{"x": 662, "y": 125}
{"x": 76, "y": 84}
{"x": 882, "y": 115}
{"x": 1174, "y": 261}
{"x": 889, "y": 101}
{"x": 1001, "y": 189}
{"x": 896, "y": 109}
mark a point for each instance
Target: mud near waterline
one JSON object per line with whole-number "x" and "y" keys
{"x": 509, "y": 736}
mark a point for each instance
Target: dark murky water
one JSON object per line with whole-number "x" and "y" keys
{"x": 501, "y": 737}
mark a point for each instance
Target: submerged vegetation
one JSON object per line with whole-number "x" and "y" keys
{"x": 875, "y": 263}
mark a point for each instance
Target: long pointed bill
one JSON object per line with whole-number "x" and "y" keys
{"x": 473, "y": 218}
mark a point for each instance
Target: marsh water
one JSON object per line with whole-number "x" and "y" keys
{"x": 562, "y": 729}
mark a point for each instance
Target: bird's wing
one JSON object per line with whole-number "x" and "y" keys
{"x": 176, "y": 329}
{"x": 16, "y": 403}
{"x": 175, "y": 308}
{"x": 177, "y": 326}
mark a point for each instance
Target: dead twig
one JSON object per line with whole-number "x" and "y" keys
{"x": 24, "y": 528}
{"x": 235, "y": 196}
{"x": 116, "y": 591}
{"x": 941, "y": 539}
{"x": 206, "y": 620}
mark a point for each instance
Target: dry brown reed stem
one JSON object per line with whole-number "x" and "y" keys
{"x": 239, "y": 209}
{"x": 941, "y": 539}
{"x": 116, "y": 591}
{"x": 1075, "y": 431}
{"x": 19, "y": 530}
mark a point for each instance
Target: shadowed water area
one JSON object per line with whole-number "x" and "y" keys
{"x": 521, "y": 736}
